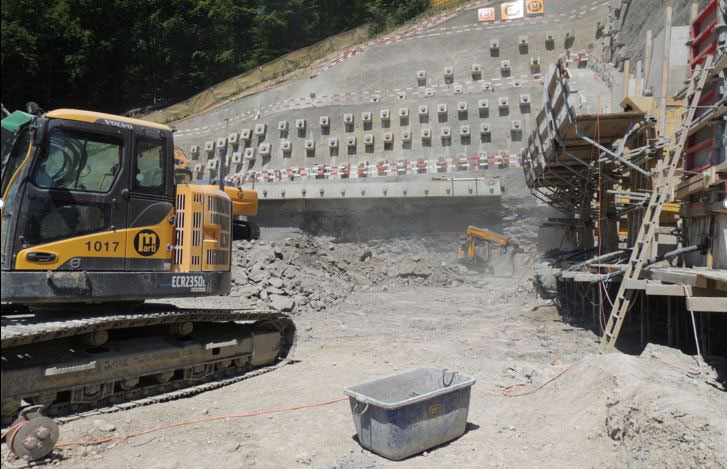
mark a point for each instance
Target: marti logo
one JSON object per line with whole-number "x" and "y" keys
{"x": 146, "y": 242}
{"x": 534, "y": 6}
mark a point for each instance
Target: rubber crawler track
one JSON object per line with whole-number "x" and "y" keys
{"x": 23, "y": 329}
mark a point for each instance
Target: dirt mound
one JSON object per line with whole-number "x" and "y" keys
{"x": 643, "y": 407}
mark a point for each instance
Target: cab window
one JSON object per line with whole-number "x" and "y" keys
{"x": 78, "y": 162}
{"x": 149, "y": 167}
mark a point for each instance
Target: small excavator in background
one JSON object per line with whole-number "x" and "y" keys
{"x": 468, "y": 251}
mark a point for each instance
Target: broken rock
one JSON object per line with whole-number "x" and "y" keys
{"x": 282, "y": 303}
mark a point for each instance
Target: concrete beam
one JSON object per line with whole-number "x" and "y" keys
{"x": 391, "y": 188}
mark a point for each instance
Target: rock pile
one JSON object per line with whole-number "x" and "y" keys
{"x": 305, "y": 272}
{"x": 292, "y": 275}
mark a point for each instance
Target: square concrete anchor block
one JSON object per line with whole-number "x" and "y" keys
{"x": 260, "y": 129}
{"x": 446, "y": 132}
{"x": 462, "y": 106}
{"x": 209, "y": 146}
{"x": 232, "y": 138}
{"x": 457, "y": 89}
{"x": 401, "y": 95}
{"x": 423, "y": 110}
{"x": 524, "y": 99}
{"x": 503, "y": 102}
{"x": 429, "y": 93}
{"x": 300, "y": 124}
{"x": 333, "y": 142}
{"x": 309, "y": 145}
{"x": 212, "y": 164}
{"x": 549, "y": 38}
{"x": 515, "y": 125}
{"x": 441, "y": 108}
{"x": 366, "y": 117}
{"x": 221, "y": 143}
{"x": 487, "y": 86}
{"x": 348, "y": 118}
{"x": 351, "y": 141}
{"x": 535, "y": 64}
{"x": 522, "y": 41}
{"x": 426, "y": 133}
{"x": 325, "y": 121}
{"x": 236, "y": 157}
{"x": 388, "y": 137}
{"x": 569, "y": 35}
{"x": 194, "y": 150}
{"x": 421, "y": 77}
{"x": 476, "y": 71}
{"x": 384, "y": 114}
{"x": 406, "y": 136}
{"x": 245, "y": 134}
{"x": 285, "y": 146}
{"x": 485, "y": 128}
{"x": 464, "y": 130}
{"x": 483, "y": 105}
{"x": 448, "y": 73}
{"x": 283, "y": 126}
{"x": 517, "y": 83}
{"x": 404, "y": 112}
{"x": 505, "y": 65}
{"x": 248, "y": 153}
{"x": 368, "y": 139}
{"x": 494, "y": 45}
{"x": 198, "y": 167}
{"x": 264, "y": 149}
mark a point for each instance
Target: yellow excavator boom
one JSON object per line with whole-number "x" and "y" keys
{"x": 487, "y": 235}
{"x": 469, "y": 249}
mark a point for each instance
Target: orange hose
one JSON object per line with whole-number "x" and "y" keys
{"x": 182, "y": 423}
{"x": 511, "y": 391}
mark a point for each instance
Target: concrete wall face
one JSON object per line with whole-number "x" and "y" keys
{"x": 678, "y": 61}
{"x": 385, "y": 78}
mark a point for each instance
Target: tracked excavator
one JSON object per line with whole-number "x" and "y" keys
{"x": 468, "y": 251}
{"x": 98, "y": 219}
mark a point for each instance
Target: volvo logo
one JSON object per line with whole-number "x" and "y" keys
{"x": 123, "y": 125}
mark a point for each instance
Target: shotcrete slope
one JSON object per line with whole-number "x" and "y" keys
{"x": 384, "y": 77}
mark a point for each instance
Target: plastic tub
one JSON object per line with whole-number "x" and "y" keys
{"x": 405, "y": 414}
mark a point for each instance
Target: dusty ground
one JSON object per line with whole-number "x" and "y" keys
{"x": 606, "y": 411}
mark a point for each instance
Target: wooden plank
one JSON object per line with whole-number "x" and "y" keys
{"x": 587, "y": 277}
{"x": 660, "y": 289}
{"x": 634, "y": 284}
{"x": 707, "y": 304}
{"x": 678, "y": 277}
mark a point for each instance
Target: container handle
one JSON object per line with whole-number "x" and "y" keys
{"x": 365, "y": 408}
{"x": 444, "y": 378}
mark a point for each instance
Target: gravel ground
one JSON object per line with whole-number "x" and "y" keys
{"x": 603, "y": 410}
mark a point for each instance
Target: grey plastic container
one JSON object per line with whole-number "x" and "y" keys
{"x": 405, "y": 414}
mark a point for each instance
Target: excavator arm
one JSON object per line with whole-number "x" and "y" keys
{"x": 469, "y": 249}
{"x": 487, "y": 235}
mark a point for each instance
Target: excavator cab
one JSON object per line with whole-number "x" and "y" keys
{"x": 91, "y": 213}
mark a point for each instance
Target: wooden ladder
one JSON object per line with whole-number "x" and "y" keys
{"x": 663, "y": 183}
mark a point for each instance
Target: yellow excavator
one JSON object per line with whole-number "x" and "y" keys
{"x": 468, "y": 251}
{"x": 98, "y": 218}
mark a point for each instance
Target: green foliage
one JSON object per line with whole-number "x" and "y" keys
{"x": 114, "y": 55}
